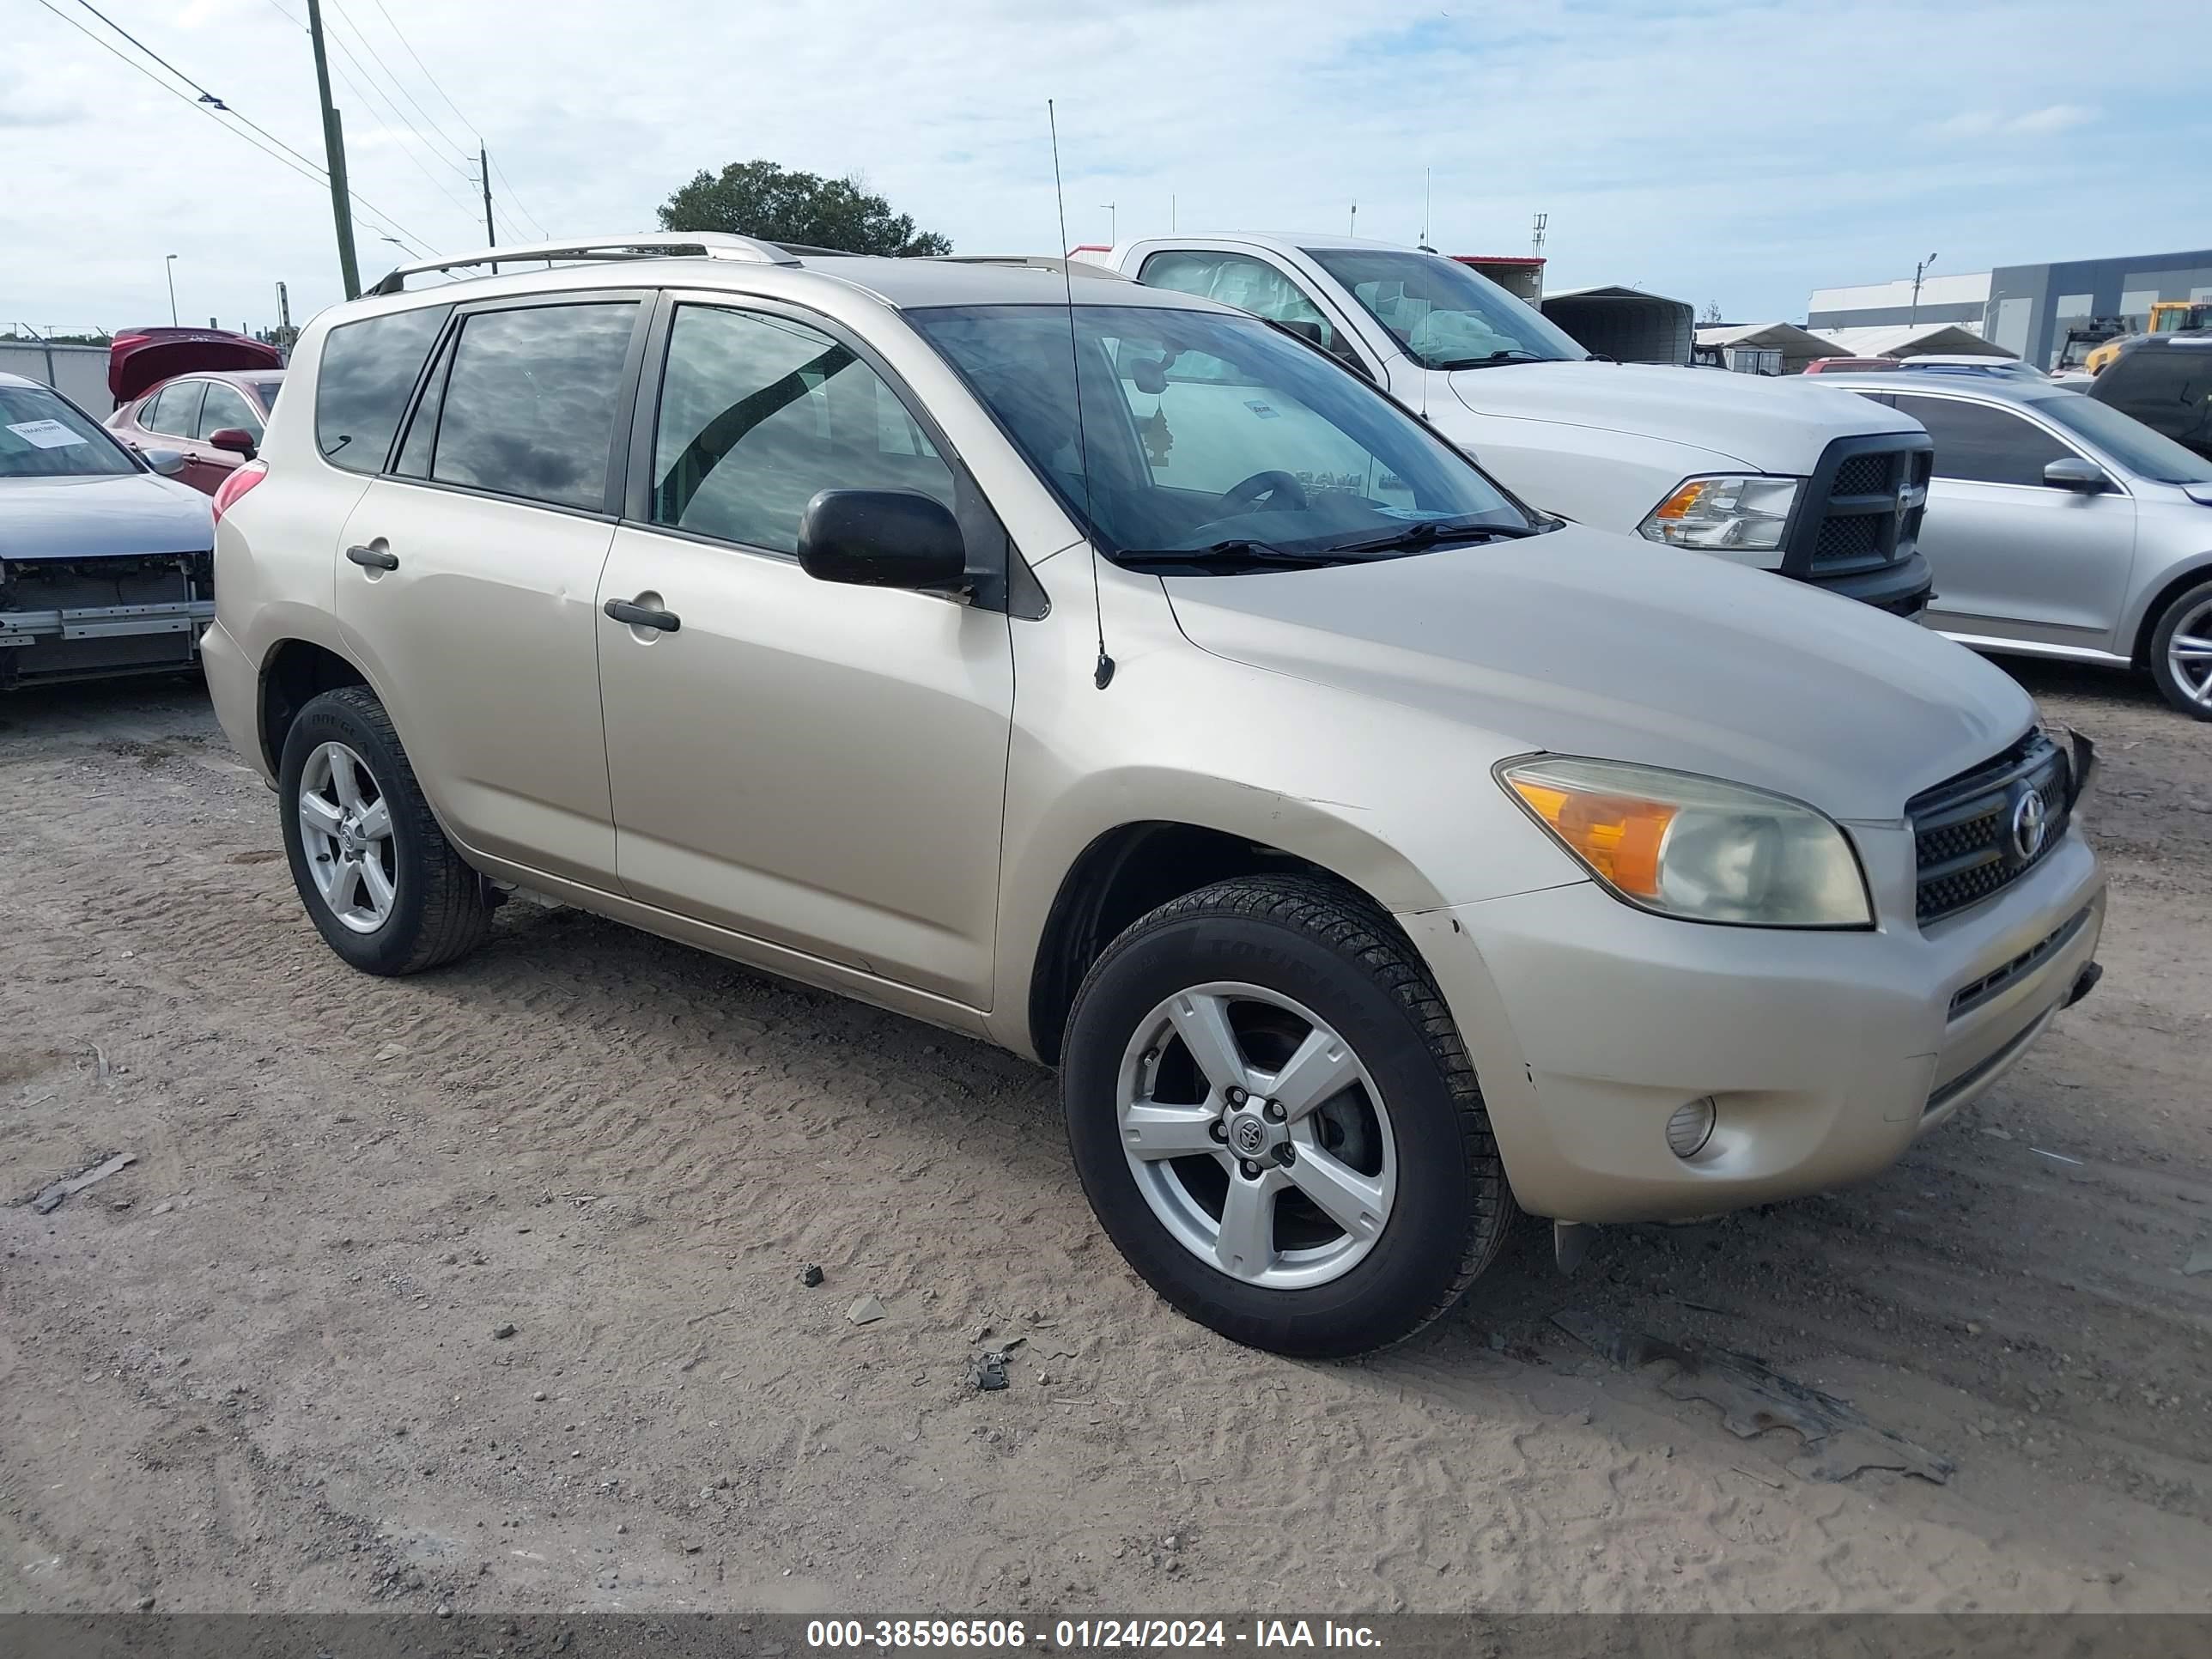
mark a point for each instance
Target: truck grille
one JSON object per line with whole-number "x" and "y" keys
{"x": 1977, "y": 834}
{"x": 1870, "y": 513}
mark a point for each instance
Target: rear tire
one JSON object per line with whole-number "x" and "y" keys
{"x": 2184, "y": 672}
{"x": 380, "y": 881}
{"x": 1377, "y": 1187}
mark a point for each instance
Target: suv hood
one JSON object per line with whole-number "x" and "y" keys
{"x": 119, "y": 515}
{"x": 1766, "y": 425}
{"x": 1582, "y": 642}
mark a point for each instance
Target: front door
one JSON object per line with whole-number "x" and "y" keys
{"x": 467, "y": 578}
{"x": 819, "y": 766}
{"x": 2014, "y": 558}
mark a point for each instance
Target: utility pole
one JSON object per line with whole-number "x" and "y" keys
{"x": 484, "y": 173}
{"x": 1536, "y": 236}
{"x": 334, "y": 157}
{"x": 169, "y": 265}
{"x": 1918, "y": 271}
{"x": 284, "y": 308}
{"x": 1353, "y": 230}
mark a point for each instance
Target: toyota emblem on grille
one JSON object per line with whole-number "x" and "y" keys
{"x": 2031, "y": 823}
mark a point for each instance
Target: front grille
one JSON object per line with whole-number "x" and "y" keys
{"x": 1846, "y": 538}
{"x": 1867, "y": 475}
{"x": 1862, "y": 508}
{"x": 1973, "y": 834}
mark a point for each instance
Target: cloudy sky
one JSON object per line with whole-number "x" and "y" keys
{"x": 1737, "y": 154}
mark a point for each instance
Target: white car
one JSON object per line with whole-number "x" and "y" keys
{"x": 1815, "y": 485}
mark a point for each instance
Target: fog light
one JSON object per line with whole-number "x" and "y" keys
{"x": 1691, "y": 1128}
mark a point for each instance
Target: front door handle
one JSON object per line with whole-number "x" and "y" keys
{"x": 640, "y": 616}
{"x": 373, "y": 558}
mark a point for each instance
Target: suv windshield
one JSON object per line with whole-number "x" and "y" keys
{"x": 1445, "y": 315}
{"x": 43, "y": 437}
{"x": 2146, "y": 453}
{"x": 1209, "y": 440}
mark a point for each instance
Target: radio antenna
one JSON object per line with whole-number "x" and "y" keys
{"x": 1104, "y": 675}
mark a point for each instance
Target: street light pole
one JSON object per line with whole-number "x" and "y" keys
{"x": 1113, "y": 223}
{"x": 169, "y": 269}
{"x": 1918, "y": 271}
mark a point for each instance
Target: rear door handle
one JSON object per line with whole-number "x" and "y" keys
{"x": 371, "y": 558}
{"x": 639, "y": 616}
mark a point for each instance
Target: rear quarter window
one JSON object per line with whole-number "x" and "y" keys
{"x": 368, "y": 371}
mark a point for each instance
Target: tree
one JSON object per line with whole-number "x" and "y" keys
{"x": 1712, "y": 315}
{"x": 759, "y": 199}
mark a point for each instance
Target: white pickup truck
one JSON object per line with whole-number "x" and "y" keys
{"x": 1816, "y": 484}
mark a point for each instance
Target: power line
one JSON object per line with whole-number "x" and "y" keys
{"x": 369, "y": 46}
{"x": 502, "y": 173}
{"x": 208, "y": 104}
{"x": 400, "y": 35}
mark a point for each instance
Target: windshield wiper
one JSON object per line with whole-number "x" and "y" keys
{"x": 1430, "y": 532}
{"x": 1240, "y": 555}
{"x": 1514, "y": 356}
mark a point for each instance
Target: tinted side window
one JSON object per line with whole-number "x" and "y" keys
{"x": 226, "y": 406}
{"x": 176, "y": 408}
{"x": 1982, "y": 445}
{"x": 1250, "y": 284}
{"x": 2167, "y": 391}
{"x": 530, "y": 401}
{"x": 758, "y": 413}
{"x": 360, "y": 389}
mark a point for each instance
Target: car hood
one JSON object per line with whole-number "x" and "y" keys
{"x": 114, "y": 516}
{"x": 1583, "y": 643}
{"x": 1766, "y": 425}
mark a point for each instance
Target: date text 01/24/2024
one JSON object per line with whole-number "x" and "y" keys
{"x": 1083, "y": 1635}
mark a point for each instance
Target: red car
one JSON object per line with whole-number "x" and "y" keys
{"x": 202, "y": 392}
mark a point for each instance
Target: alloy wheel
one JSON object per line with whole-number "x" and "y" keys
{"x": 345, "y": 829}
{"x": 1256, "y": 1136}
{"x": 2189, "y": 654}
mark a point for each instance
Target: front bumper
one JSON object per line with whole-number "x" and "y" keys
{"x": 1824, "y": 1053}
{"x": 84, "y": 619}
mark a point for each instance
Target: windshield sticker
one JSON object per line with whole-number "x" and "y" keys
{"x": 46, "y": 434}
{"x": 1261, "y": 409}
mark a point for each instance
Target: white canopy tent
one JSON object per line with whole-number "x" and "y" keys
{"x": 1798, "y": 346}
{"x": 1907, "y": 340}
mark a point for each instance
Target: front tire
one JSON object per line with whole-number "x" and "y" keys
{"x": 2181, "y": 652}
{"x": 1276, "y": 1122}
{"x": 380, "y": 881}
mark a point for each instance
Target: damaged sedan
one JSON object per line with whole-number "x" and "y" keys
{"x": 106, "y": 560}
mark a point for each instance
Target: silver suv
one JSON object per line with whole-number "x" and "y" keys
{"x": 1103, "y": 673}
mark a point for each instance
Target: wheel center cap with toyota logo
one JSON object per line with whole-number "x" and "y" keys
{"x": 1247, "y": 1135}
{"x": 2030, "y": 823}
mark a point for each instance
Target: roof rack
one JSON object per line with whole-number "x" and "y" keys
{"x": 645, "y": 245}
{"x": 1038, "y": 262}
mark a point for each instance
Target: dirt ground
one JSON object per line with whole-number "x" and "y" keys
{"x": 263, "y": 1367}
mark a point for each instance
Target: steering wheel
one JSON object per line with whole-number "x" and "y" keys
{"x": 1284, "y": 492}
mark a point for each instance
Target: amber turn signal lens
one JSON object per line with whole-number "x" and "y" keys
{"x": 1617, "y": 835}
{"x": 1680, "y": 504}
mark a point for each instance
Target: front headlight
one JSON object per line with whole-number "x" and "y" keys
{"x": 1694, "y": 846}
{"x": 1720, "y": 513}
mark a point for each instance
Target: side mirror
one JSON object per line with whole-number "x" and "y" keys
{"x": 235, "y": 439}
{"x": 2075, "y": 474}
{"x": 166, "y": 462}
{"x": 883, "y": 539}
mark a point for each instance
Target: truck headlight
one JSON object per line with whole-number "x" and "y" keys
{"x": 1694, "y": 846}
{"x": 1747, "y": 512}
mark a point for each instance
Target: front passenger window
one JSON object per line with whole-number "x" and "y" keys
{"x": 758, "y": 413}
{"x": 1981, "y": 445}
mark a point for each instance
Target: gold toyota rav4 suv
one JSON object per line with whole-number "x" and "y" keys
{"x": 1106, "y": 674}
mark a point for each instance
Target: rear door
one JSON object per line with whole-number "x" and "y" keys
{"x": 2014, "y": 558}
{"x": 813, "y": 764}
{"x": 468, "y": 573}
{"x": 224, "y": 408}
